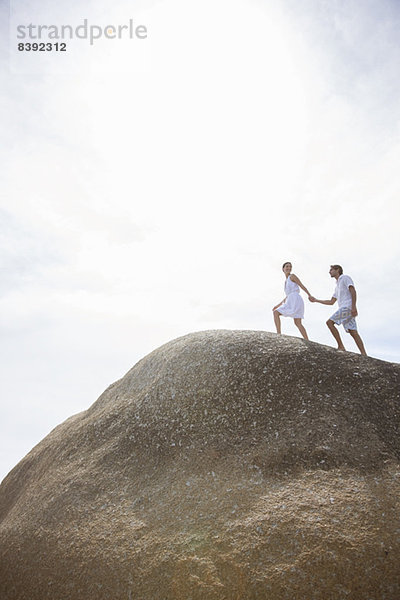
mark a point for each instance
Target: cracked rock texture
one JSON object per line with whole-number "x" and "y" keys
{"x": 224, "y": 465}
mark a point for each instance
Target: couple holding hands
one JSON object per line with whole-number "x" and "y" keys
{"x": 345, "y": 293}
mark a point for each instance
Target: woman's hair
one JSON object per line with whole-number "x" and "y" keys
{"x": 286, "y": 263}
{"x": 338, "y": 267}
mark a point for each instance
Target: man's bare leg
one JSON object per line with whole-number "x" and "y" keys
{"x": 335, "y": 334}
{"x": 356, "y": 337}
{"x": 301, "y": 328}
{"x": 277, "y": 319}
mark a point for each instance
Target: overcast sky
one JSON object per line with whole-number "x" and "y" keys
{"x": 151, "y": 188}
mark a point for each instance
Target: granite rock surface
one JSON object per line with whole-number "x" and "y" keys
{"x": 224, "y": 465}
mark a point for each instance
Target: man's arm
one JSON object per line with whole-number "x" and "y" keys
{"x": 353, "y": 293}
{"x": 331, "y": 301}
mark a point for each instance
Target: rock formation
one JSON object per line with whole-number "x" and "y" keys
{"x": 225, "y": 465}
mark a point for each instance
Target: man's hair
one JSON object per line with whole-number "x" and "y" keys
{"x": 338, "y": 267}
{"x": 286, "y": 263}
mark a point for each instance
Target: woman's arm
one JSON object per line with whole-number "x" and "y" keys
{"x": 280, "y": 304}
{"x": 295, "y": 279}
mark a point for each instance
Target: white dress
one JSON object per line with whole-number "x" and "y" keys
{"x": 294, "y": 305}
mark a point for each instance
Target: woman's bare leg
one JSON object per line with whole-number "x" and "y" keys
{"x": 301, "y": 328}
{"x": 277, "y": 319}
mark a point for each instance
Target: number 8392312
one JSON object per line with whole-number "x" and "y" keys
{"x": 42, "y": 47}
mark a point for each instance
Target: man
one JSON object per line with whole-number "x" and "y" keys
{"x": 345, "y": 294}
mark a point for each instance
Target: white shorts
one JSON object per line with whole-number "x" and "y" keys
{"x": 343, "y": 317}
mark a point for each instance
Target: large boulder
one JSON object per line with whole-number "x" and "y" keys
{"x": 224, "y": 465}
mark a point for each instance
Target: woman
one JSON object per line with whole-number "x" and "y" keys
{"x": 292, "y": 305}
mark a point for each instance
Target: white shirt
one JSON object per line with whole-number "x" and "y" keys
{"x": 342, "y": 292}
